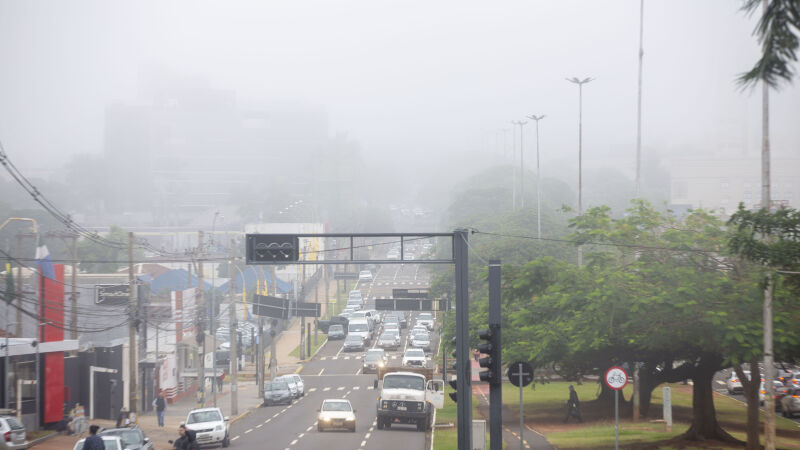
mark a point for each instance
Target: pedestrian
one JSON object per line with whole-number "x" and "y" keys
{"x": 573, "y": 405}
{"x": 160, "y": 403}
{"x": 179, "y": 444}
{"x": 191, "y": 442}
{"x": 93, "y": 442}
{"x": 220, "y": 381}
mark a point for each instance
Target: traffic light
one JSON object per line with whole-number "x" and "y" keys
{"x": 452, "y": 381}
{"x": 492, "y": 349}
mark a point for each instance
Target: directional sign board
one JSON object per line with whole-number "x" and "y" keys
{"x": 518, "y": 368}
{"x": 111, "y": 294}
{"x": 268, "y": 306}
{"x": 304, "y": 309}
{"x": 616, "y": 378}
{"x": 410, "y": 293}
{"x": 403, "y": 304}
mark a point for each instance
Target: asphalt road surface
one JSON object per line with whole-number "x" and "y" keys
{"x": 721, "y": 387}
{"x": 337, "y": 374}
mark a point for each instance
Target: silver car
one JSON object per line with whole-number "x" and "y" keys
{"x": 292, "y": 385}
{"x": 14, "y": 433}
{"x": 790, "y": 403}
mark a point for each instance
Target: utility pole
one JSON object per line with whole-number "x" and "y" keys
{"x": 19, "y": 285}
{"x": 132, "y": 366}
{"x": 201, "y": 307}
{"x": 538, "y": 179}
{"x": 521, "y": 164}
{"x": 234, "y": 341}
{"x": 580, "y": 84}
{"x": 73, "y": 295}
{"x": 212, "y": 325}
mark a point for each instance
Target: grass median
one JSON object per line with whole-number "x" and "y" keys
{"x": 320, "y": 342}
{"x": 546, "y": 406}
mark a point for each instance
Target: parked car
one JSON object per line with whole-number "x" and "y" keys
{"x": 277, "y": 392}
{"x": 209, "y": 425}
{"x": 109, "y": 442}
{"x": 293, "y": 388}
{"x": 336, "y": 332}
{"x": 298, "y": 381}
{"x": 132, "y": 438}
{"x": 365, "y": 276}
{"x": 336, "y": 414}
{"x": 353, "y": 343}
{"x": 733, "y": 383}
{"x": 790, "y": 403}
{"x": 13, "y": 432}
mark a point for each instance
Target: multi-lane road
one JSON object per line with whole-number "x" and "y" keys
{"x": 334, "y": 373}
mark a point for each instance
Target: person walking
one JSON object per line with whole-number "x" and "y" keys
{"x": 93, "y": 442}
{"x": 573, "y": 405}
{"x": 160, "y": 403}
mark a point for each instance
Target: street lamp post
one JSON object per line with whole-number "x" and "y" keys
{"x": 538, "y": 178}
{"x": 580, "y": 84}
{"x": 212, "y": 321}
{"x": 521, "y": 162}
{"x": 6, "y": 363}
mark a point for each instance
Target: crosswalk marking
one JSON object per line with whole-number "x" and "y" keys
{"x": 355, "y": 388}
{"x": 326, "y": 389}
{"x": 340, "y": 388}
{"x": 312, "y": 389}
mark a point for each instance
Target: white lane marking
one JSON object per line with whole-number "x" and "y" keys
{"x": 371, "y": 428}
{"x": 339, "y": 352}
{"x": 300, "y": 436}
{"x": 293, "y": 442}
{"x": 346, "y": 357}
{"x": 276, "y": 415}
{"x": 363, "y": 443}
{"x": 267, "y": 421}
{"x": 248, "y": 431}
{"x": 234, "y": 438}
{"x": 340, "y": 388}
{"x": 259, "y": 425}
{"x": 366, "y": 436}
{"x": 355, "y": 388}
{"x": 320, "y": 372}
{"x": 312, "y": 389}
{"x": 528, "y": 427}
{"x": 326, "y": 389}
{"x": 369, "y": 388}
{"x": 358, "y": 371}
{"x": 323, "y": 358}
{"x": 309, "y": 428}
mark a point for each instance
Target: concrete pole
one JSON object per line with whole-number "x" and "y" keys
{"x": 73, "y": 295}
{"x": 132, "y": 361}
{"x": 201, "y": 304}
{"x": 463, "y": 377}
{"x": 234, "y": 341}
{"x": 639, "y": 109}
{"x": 19, "y": 285}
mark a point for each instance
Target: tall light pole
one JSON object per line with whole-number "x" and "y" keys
{"x": 639, "y": 105}
{"x": 538, "y": 178}
{"x": 580, "y": 84}
{"x": 513, "y": 171}
{"x": 521, "y": 162}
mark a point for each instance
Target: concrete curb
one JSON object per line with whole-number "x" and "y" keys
{"x": 241, "y": 416}
{"x": 315, "y": 352}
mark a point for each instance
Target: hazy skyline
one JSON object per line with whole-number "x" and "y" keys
{"x": 404, "y": 79}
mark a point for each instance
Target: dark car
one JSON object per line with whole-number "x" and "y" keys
{"x": 336, "y": 332}
{"x": 353, "y": 343}
{"x": 372, "y": 362}
{"x": 277, "y": 393}
{"x": 132, "y": 438}
{"x": 324, "y": 325}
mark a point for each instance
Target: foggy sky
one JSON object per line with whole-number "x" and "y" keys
{"x": 407, "y": 79}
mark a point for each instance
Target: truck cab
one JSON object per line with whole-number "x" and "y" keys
{"x": 408, "y": 396}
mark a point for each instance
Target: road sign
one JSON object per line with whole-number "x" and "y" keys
{"x": 403, "y": 304}
{"x": 268, "y": 306}
{"x": 518, "y": 368}
{"x": 111, "y": 294}
{"x": 345, "y": 276}
{"x": 272, "y": 248}
{"x": 616, "y": 378}
{"x": 410, "y": 293}
{"x": 306, "y": 309}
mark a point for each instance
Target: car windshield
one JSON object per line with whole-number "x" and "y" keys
{"x": 353, "y": 338}
{"x": 336, "y": 328}
{"x": 359, "y": 314}
{"x": 391, "y": 333}
{"x": 128, "y": 437}
{"x": 337, "y": 406}
{"x": 355, "y": 294}
{"x": 403, "y": 382}
{"x": 387, "y": 337}
{"x": 277, "y": 386}
{"x": 204, "y": 416}
{"x": 415, "y": 353}
{"x": 358, "y": 327}
{"x": 425, "y": 316}
{"x": 372, "y": 357}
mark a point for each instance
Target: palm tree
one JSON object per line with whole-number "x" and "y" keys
{"x": 776, "y": 31}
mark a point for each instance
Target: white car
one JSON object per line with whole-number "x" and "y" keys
{"x": 421, "y": 340}
{"x": 296, "y": 385}
{"x": 365, "y": 276}
{"x": 209, "y": 425}
{"x": 336, "y": 414}
{"x": 109, "y": 442}
{"x": 414, "y": 357}
{"x": 734, "y": 384}
{"x": 426, "y": 319}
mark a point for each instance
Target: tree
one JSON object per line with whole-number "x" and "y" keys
{"x": 94, "y": 257}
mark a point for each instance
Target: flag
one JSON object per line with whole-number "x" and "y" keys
{"x": 9, "y": 294}
{"x": 45, "y": 263}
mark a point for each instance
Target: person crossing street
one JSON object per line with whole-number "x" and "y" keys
{"x": 573, "y": 405}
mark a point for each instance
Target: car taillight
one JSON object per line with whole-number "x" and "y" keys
{"x": 734, "y": 380}
{"x": 7, "y": 436}
{"x": 796, "y": 396}
{"x": 763, "y": 392}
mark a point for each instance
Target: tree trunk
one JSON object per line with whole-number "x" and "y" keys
{"x": 750, "y": 387}
{"x": 704, "y": 416}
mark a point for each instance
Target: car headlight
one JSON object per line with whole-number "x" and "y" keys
{"x": 380, "y": 364}
{"x": 351, "y": 419}
{"x": 218, "y": 428}
{"x": 324, "y": 418}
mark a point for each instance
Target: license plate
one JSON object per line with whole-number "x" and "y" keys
{"x": 402, "y": 408}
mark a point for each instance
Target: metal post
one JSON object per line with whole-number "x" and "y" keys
{"x": 538, "y": 179}
{"x": 463, "y": 380}
{"x": 495, "y": 389}
{"x": 273, "y": 361}
{"x": 202, "y": 369}
{"x": 38, "y": 386}
{"x": 580, "y": 84}
{"x": 639, "y": 105}
{"x": 212, "y": 330}
{"x": 234, "y": 335}
{"x": 521, "y": 412}
{"x": 6, "y": 362}
{"x": 616, "y": 419}
{"x": 73, "y": 296}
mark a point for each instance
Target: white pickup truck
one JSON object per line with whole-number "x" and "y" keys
{"x": 408, "y": 396}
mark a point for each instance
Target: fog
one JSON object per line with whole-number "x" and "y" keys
{"x": 417, "y": 89}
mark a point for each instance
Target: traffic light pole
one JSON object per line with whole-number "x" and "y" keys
{"x": 495, "y": 388}
{"x": 463, "y": 376}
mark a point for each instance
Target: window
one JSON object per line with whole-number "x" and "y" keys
{"x": 724, "y": 184}
{"x": 680, "y": 189}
